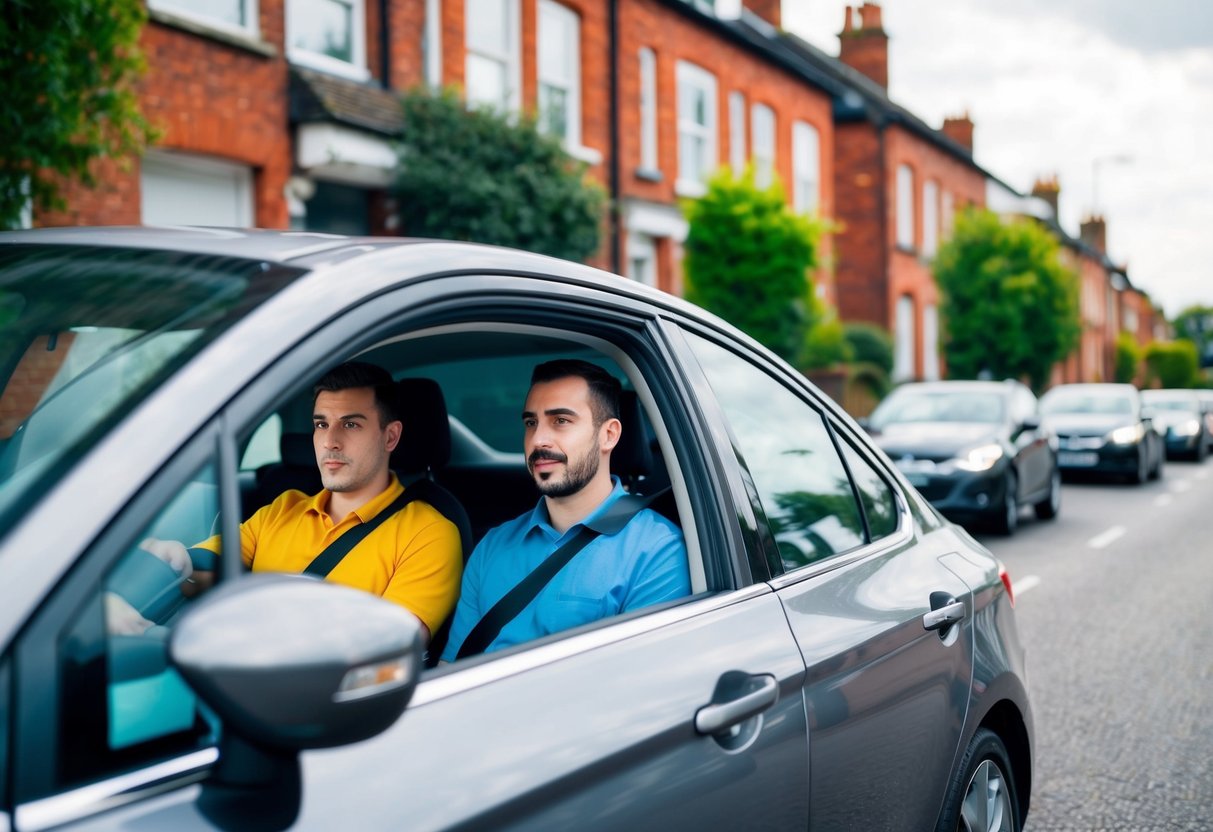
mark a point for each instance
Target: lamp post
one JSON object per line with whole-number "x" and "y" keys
{"x": 1118, "y": 158}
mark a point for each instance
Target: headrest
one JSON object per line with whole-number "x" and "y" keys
{"x": 297, "y": 449}
{"x": 632, "y": 457}
{"x": 425, "y": 442}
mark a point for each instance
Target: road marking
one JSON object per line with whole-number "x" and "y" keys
{"x": 1024, "y": 584}
{"x": 1162, "y": 500}
{"x": 1106, "y": 538}
{"x": 1180, "y": 486}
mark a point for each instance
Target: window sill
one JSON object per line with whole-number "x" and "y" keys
{"x": 690, "y": 188}
{"x": 241, "y": 39}
{"x": 586, "y": 154}
{"x": 323, "y": 63}
{"x": 649, "y": 174}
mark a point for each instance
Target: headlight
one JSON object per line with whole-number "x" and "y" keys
{"x": 1128, "y": 435}
{"x": 981, "y": 458}
{"x": 1186, "y": 429}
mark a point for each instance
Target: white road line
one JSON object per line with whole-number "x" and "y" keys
{"x": 1163, "y": 500}
{"x": 1180, "y": 486}
{"x": 1106, "y": 538}
{"x": 1021, "y": 586}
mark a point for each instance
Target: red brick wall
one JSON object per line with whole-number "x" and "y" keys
{"x": 859, "y": 182}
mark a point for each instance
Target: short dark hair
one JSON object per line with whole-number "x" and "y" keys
{"x": 605, "y": 389}
{"x": 355, "y": 374}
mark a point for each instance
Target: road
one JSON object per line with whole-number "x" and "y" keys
{"x": 1115, "y": 608}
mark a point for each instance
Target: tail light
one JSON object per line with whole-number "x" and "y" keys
{"x": 1005, "y": 577}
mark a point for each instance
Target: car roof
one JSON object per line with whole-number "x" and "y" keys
{"x": 969, "y": 385}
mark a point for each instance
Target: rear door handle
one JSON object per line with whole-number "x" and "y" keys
{"x": 944, "y": 617}
{"x": 757, "y": 694}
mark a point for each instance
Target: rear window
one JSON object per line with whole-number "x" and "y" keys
{"x": 86, "y": 333}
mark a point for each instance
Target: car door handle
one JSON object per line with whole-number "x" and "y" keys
{"x": 760, "y": 693}
{"x": 944, "y": 617}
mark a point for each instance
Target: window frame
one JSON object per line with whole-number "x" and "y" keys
{"x": 694, "y": 78}
{"x": 806, "y": 167}
{"x": 905, "y": 207}
{"x": 251, "y": 28}
{"x": 646, "y": 59}
{"x": 764, "y": 132}
{"x": 355, "y": 68}
{"x": 905, "y": 337}
{"x": 569, "y": 23}
{"x": 737, "y": 131}
{"x": 930, "y": 218}
{"x": 510, "y": 60}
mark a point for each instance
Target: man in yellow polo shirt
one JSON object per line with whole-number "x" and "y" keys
{"x": 413, "y": 558}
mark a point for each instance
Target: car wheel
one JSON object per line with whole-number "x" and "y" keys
{"x": 1143, "y": 466}
{"x": 1047, "y": 508}
{"x": 1156, "y": 474}
{"x": 982, "y": 799}
{"x": 1007, "y": 517}
{"x": 1202, "y": 449}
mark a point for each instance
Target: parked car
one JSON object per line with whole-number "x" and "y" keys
{"x": 1104, "y": 429}
{"x": 976, "y": 449}
{"x": 1181, "y": 416}
{"x": 847, "y": 657}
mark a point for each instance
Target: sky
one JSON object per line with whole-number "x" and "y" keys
{"x": 1114, "y": 97}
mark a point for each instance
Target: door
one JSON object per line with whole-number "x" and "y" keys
{"x": 887, "y": 687}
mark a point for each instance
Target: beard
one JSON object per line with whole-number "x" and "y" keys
{"x": 577, "y": 473}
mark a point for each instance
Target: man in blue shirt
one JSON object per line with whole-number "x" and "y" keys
{"x": 571, "y": 425}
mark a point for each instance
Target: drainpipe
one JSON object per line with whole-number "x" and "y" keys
{"x": 614, "y": 174}
{"x": 385, "y": 60}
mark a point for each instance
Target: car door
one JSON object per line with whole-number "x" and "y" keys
{"x": 887, "y": 686}
{"x": 1030, "y": 438}
{"x": 686, "y": 714}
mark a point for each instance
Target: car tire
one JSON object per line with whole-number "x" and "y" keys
{"x": 1156, "y": 473}
{"x": 1143, "y": 466}
{"x": 983, "y": 797}
{"x": 1048, "y": 508}
{"x": 1006, "y": 517}
{"x": 1202, "y": 450}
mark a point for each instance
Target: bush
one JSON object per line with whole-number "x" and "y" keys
{"x": 476, "y": 175}
{"x": 1173, "y": 364}
{"x": 870, "y": 344}
{"x": 1128, "y": 357}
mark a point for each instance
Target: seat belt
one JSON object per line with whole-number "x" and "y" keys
{"x": 327, "y": 560}
{"x": 516, "y": 600}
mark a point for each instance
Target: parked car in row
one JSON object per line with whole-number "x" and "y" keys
{"x": 1184, "y": 419}
{"x": 976, "y": 449}
{"x": 846, "y": 658}
{"x": 1104, "y": 429}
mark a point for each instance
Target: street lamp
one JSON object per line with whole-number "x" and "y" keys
{"x": 1119, "y": 158}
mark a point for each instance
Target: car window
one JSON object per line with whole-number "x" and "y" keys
{"x": 804, "y": 489}
{"x": 122, "y": 703}
{"x": 879, "y": 504}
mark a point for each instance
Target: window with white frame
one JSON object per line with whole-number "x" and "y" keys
{"x": 903, "y": 339}
{"x": 237, "y": 15}
{"x": 947, "y": 211}
{"x": 762, "y": 133}
{"x": 642, "y": 258}
{"x": 432, "y": 43}
{"x": 559, "y": 72}
{"x": 930, "y": 218}
{"x": 806, "y": 167}
{"x": 696, "y": 128}
{"x": 905, "y": 207}
{"x": 328, "y": 35}
{"x": 492, "y": 69}
{"x": 177, "y": 189}
{"x": 930, "y": 342}
{"x": 737, "y": 153}
{"x": 648, "y": 109}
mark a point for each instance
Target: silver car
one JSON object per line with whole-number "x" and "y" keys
{"x": 847, "y": 658}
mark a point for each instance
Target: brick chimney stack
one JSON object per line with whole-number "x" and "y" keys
{"x": 1048, "y": 189}
{"x": 768, "y": 10}
{"x": 1094, "y": 232}
{"x": 960, "y": 130}
{"x": 865, "y": 47}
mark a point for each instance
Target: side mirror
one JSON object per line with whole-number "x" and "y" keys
{"x": 1147, "y": 414}
{"x": 1032, "y": 422}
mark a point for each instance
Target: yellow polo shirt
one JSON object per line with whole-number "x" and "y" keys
{"x": 413, "y": 559}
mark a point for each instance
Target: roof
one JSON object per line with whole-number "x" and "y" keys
{"x": 319, "y": 97}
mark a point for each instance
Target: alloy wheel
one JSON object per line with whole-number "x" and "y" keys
{"x": 987, "y": 803}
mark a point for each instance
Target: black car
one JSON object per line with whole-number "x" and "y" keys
{"x": 1183, "y": 417}
{"x": 1104, "y": 429}
{"x": 976, "y": 449}
{"x": 845, "y": 657}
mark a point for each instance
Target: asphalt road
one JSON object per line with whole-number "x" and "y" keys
{"x": 1115, "y": 607}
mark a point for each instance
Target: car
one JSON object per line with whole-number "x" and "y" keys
{"x": 1104, "y": 429}
{"x": 976, "y": 449}
{"x": 1183, "y": 417}
{"x": 846, "y": 657}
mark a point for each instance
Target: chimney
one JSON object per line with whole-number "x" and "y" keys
{"x": 1094, "y": 232}
{"x": 1049, "y": 190}
{"x": 768, "y": 10}
{"x": 865, "y": 47}
{"x": 960, "y": 130}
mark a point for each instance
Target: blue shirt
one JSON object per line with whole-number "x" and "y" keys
{"x": 644, "y": 563}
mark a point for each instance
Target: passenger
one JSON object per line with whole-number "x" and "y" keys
{"x": 414, "y": 557}
{"x": 571, "y": 424}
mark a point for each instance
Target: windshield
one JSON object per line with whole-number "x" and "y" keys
{"x": 1188, "y": 404}
{"x": 86, "y": 333}
{"x": 1082, "y": 401}
{"x": 938, "y": 406}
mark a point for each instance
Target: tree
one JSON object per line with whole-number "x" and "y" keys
{"x": 69, "y": 70}
{"x": 1010, "y": 307}
{"x": 473, "y": 174}
{"x": 1172, "y": 364}
{"x": 748, "y": 256}
{"x": 1128, "y": 357}
{"x": 1195, "y": 324}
